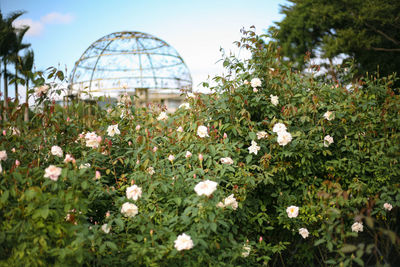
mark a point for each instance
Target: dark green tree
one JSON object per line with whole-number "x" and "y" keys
{"x": 8, "y": 39}
{"x": 365, "y": 30}
{"x": 25, "y": 68}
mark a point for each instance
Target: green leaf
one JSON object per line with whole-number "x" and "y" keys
{"x": 347, "y": 248}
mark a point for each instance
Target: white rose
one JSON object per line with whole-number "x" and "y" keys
{"x": 253, "y": 148}
{"x": 188, "y": 154}
{"x": 52, "y": 172}
{"x": 329, "y": 115}
{"x": 328, "y": 140}
{"x": 357, "y": 227}
{"x": 134, "y": 192}
{"x": 205, "y": 188}
{"x": 284, "y": 138}
{"x": 150, "y": 170}
{"x": 129, "y": 209}
{"x": 183, "y": 242}
{"x": 231, "y": 202}
{"x": 92, "y": 140}
{"x": 162, "y": 117}
{"x": 227, "y": 160}
{"x": 387, "y": 206}
{"x": 246, "y": 251}
{"x": 190, "y": 95}
{"x": 303, "y": 232}
{"x": 274, "y": 100}
{"x": 202, "y": 131}
{"x": 112, "y": 130}
{"x": 106, "y": 229}
{"x": 69, "y": 158}
{"x": 56, "y": 151}
{"x": 84, "y": 166}
{"x": 292, "y": 211}
{"x": 279, "y": 127}
{"x": 261, "y": 135}
{"x": 255, "y": 82}
{"x": 171, "y": 158}
{"x": 184, "y": 105}
{"x": 3, "y": 155}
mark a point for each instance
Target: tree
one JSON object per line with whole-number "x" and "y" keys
{"x": 18, "y": 46}
{"x": 25, "y": 68}
{"x": 8, "y": 38}
{"x": 365, "y": 30}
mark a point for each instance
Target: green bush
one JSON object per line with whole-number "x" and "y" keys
{"x": 337, "y": 162}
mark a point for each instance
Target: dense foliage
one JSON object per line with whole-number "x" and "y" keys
{"x": 367, "y": 31}
{"x": 220, "y": 182}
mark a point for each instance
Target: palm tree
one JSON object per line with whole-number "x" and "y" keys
{"x": 8, "y": 39}
{"x": 18, "y": 46}
{"x": 25, "y": 68}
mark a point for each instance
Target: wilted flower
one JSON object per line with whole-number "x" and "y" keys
{"x": 303, "y": 232}
{"x": 329, "y": 115}
{"x": 106, "y": 229}
{"x": 188, "y": 154}
{"x": 387, "y": 206}
{"x": 129, "y": 209}
{"x": 162, "y": 117}
{"x": 255, "y": 82}
{"x": 246, "y": 251}
{"x": 253, "y": 148}
{"x": 150, "y": 170}
{"x": 180, "y": 129}
{"x": 279, "y": 127}
{"x": 134, "y": 192}
{"x": 328, "y": 140}
{"x": 274, "y": 100}
{"x": 185, "y": 105}
{"x": 52, "y": 172}
{"x": 202, "y": 131}
{"x": 69, "y": 158}
{"x": 292, "y": 211}
{"x": 41, "y": 90}
{"x": 226, "y": 160}
{"x": 112, "y": 130}
{"x": 3, "y": 155}
{"x": 56, "y": 151}
{"x": 284, "y": 138}
{"x": 261, "y": 135}
{"x": 357, "y": 227}
{"x": 206, "y": 188}
{"x": 183, "y": 242}
{"x": 171, "y": 158}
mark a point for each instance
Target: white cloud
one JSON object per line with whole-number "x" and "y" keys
{"x": 36, "y": 27}
{"x": 57, "y": 18}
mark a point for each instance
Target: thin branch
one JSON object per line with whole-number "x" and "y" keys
{"x": 383, "y": 34}
{"x": 385, "y": 49}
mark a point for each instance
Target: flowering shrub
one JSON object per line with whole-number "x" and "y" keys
{"x": 279, "y": 170}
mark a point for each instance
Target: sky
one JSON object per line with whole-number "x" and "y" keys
{"x": 61, "y": 30}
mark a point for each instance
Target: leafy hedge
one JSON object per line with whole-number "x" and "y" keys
{"x": 337, "y": 162}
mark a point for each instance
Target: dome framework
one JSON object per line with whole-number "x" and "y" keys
{"x": 125, "y": 62}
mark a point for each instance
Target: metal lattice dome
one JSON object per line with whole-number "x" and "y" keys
{"x": 128, "y": 61}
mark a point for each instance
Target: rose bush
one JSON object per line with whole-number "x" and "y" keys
{"x": 283, "y": 169}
